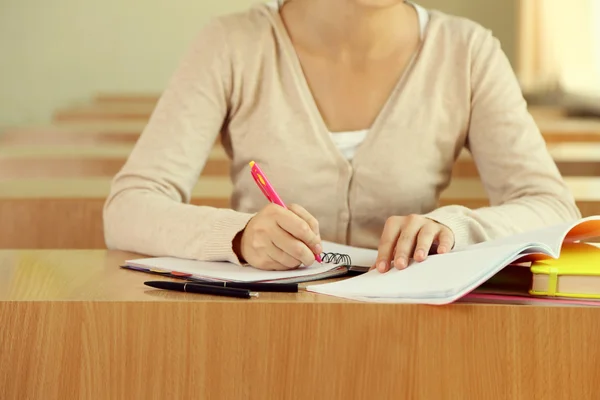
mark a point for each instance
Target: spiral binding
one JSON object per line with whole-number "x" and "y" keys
{"x": 336, "y": 258}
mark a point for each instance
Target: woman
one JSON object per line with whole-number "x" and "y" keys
{"x": 355, "y": 109}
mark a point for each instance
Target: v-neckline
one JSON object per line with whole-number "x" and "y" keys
{"x": 309, "y": 100}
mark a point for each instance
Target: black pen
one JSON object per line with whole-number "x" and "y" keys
{"x": 254, "y": 286}
{"x": 191, "y": 287}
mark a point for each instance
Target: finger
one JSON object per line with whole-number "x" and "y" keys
{"x": 425, "y": 239}
{"x": 280, "y": 259}
{"x": 446, "y": 240}
{"x": 387, "y": 242}
{"x": 296, "y": 249}
{"x": 298, "y": 228}
{"x": 306, "y": 216}
{"x": 406, "y": 241}
{"x": 312, "y": 223}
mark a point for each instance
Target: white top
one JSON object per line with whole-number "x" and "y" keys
{"x": 348, "y": 142}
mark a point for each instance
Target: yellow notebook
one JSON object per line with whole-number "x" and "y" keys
{"x": 576, "y": 273}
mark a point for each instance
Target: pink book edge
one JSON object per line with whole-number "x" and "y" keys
{"x": 501, "y": 298}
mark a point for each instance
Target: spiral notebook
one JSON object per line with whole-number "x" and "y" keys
{"x": 338, "y": 260}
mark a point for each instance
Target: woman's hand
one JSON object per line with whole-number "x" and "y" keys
{"x": 279, "y": 239}
{"x": 410, "y": 237}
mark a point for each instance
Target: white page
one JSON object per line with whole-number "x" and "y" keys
{"x": 552, "y": 237}
{"x": 231, "y": 272}
{"x": 439, "y": 279}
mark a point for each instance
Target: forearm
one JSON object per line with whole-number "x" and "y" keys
{"x": 526, "y": 213}
{"x": 150, "y": 223}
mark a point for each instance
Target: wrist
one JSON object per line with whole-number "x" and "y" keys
{"x": 236, "y": 246}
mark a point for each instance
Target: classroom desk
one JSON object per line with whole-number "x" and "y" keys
{"x": 74, "y": 325}
{"x": 572, "y": 159}
{"x": 570, "y": 130}
{"x": 60, "y": 137}
{"x": 126, "y": 98}
{"x": 555, "y": 125}
{"x": 80, "y": 127}
{"x": 75, "y": 161}
{"x": 470, "y": 193}
{"x": 105, "y": 112}
{"x": 67, "y": 213}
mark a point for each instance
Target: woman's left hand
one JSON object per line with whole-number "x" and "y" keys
{"x": 411, "y": 237}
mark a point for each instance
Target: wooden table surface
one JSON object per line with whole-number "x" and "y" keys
{"x": 207, "y": 187}
{"x": 81, "y": 127}
{"x": 77, "y": 161}
{"x": 77, "y": 151}
{"x": 74, "y": 325}
{"x": 572, "y": 159}
{"x": 105, "y": 111}
{"x": 68, "y": 137}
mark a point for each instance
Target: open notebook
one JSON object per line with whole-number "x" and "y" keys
{"x": 443, "y": 279}
{"x": 338, "y": 260}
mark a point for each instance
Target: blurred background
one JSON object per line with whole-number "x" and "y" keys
{"x": 79, "y": 80}
{"x": 62, "y": 52}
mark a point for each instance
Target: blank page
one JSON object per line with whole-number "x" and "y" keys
{"x": 440, "y": 278}
{"x": 552, "y": 237}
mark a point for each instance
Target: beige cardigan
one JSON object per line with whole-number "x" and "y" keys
{"x": 242, "y": 80}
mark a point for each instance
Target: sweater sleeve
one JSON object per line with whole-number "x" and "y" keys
{"x": 148, "y": 208}
{"x": 525, "y": 188}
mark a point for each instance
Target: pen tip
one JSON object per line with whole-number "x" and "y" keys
{"x": 252, "y": 164}
{"x": 253, "y": 294}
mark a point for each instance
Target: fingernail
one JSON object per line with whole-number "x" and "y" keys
{"x": 420, "y": 254}
{"x": 400, "y": 263}
{"x": 319, "y": 248}
{"x": 381, "y": 266}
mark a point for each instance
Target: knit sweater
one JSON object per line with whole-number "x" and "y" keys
{"x": 242, "y": 80}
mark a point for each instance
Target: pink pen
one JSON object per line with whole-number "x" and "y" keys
{"x": 265, "y": 186}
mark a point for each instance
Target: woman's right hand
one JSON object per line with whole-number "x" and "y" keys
{"x": 280, "y": 239}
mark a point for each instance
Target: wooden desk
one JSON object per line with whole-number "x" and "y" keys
{"x": 570, "y": 130}
{"x": 54, "y": 136}
{"x": 555, "y": 125}
{"x": 105, "y": 112}
{"x": 471, "y": 193}
{"x": 80, "y": 127}
{"x": 558, "y": 127}
{"x": 572, "y": 159}
{"x": 75, "y": 161}
{"x": 67, "y": 213}
{"x": 126, "y": 98}
{"x": 75, "y": 325}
